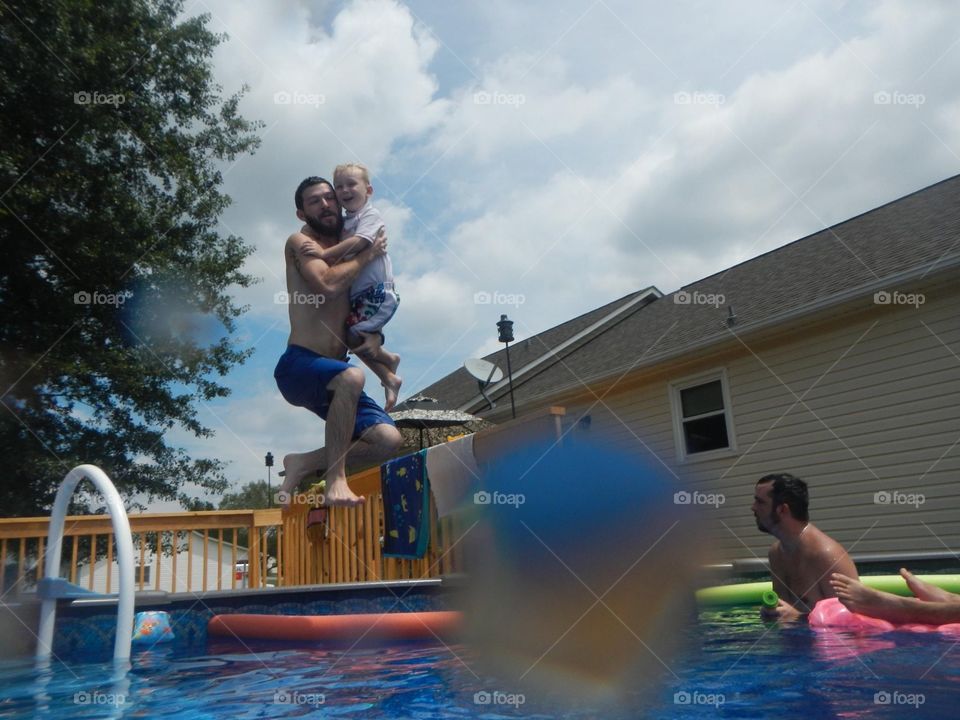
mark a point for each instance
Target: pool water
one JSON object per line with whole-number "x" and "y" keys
{"x": 735, "y": 667}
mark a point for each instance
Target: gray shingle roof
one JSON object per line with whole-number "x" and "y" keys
{"x": 920, "y": 229}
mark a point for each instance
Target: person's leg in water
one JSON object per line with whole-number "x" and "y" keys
{"x": 926, "y": 591}
{"x": 381, "y": 362}
{"x": 930, "y": 604}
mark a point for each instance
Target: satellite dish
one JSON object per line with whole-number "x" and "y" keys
{"x": 485, "y": 372}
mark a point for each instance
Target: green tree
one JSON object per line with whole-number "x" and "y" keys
{"x": 115, "y": 139}
{"x": 252, "y": 496}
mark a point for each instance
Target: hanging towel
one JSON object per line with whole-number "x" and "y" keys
{"x": 406, "y": 506}
{"x": 453, "y": 473}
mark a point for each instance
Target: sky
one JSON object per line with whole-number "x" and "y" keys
{"x": 543, "y": 158}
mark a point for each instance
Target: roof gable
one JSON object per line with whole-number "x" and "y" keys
{"x": 920, "y": 230}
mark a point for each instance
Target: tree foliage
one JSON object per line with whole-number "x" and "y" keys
{"x": 254, "y": 495}
{"x": 115, "y": 140}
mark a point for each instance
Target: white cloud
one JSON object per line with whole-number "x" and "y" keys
{"x": 520, "y": 102}
{"x": 247, "y": 426}
{"x": 599, "y": 182}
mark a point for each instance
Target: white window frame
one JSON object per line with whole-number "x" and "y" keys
{"x": 676, "y": 410}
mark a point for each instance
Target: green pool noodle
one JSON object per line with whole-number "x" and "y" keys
{"x": 752, "y": 593}
{"x": 769, "y": 598}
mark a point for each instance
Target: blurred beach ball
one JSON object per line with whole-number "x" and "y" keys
{"x": 580, "y": 570}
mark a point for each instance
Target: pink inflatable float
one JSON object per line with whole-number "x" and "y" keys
{"x": 830, "y": 613}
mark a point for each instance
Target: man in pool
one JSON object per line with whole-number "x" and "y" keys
{"x": 313, "y": 372}
{"x": 930, "y": 605}
{"x": 803, "y": 557}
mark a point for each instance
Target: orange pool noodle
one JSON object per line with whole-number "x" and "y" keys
{"x": 374, "y": 627}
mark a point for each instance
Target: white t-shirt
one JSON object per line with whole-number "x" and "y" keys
{"x": 366, "y": 223}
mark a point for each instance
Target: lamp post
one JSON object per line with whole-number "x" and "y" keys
{"x": 268, "y": 461}
{"x": 505, "y": 330}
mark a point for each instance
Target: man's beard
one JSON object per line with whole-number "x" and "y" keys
{"x": 325, "y": 230}
{"x": 767, "y": 526}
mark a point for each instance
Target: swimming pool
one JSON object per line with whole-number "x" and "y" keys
{"x": 736, "y": 667}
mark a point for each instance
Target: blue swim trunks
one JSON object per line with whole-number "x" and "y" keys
{"x": 302, "y": 376}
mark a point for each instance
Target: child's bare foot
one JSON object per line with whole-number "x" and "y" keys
{"x": 369, "y": 347}
{"x": 339, "y": 493}
{"x": 390, "y": 359}
{"x": 295, "y": 468}
{"x": 926, "y": 591}
{"x": 391, "y": 388}
{"x": 857, "y": 597}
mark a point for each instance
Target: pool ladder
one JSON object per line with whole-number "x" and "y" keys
{"x": 52, "y": 587}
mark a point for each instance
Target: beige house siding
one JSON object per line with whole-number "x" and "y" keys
{"x": 880, "y": 412}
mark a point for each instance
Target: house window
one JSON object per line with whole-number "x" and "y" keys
{"x": 142, "y": 574}
{"x": 702, "y": 420}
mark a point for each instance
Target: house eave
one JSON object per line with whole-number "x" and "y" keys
{"x": 938, "y": 267}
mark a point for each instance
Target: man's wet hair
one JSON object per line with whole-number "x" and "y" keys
{"x": 308, "y": 182}
{"x": 791, "y": 490}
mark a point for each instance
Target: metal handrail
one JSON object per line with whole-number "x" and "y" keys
{"x": 121, "y": 529}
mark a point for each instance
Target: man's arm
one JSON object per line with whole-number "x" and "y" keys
{"x": 835, "y": 561}
{"x": 322, "y": 278}
{"x": 784, "y": 610}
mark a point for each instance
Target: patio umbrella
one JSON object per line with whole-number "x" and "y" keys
{"x": 420, "y": 419}
{"x": 425, "y": 419}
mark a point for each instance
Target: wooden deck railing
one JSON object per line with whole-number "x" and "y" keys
{"x": 345, "y": 547}
{"x": 174, "y": 552}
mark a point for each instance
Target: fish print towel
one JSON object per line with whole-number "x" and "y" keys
{"x": 406, "y": 506}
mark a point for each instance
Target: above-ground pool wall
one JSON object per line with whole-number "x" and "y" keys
{"x": 862, "y": 402}
{"x": 86, "y": 633}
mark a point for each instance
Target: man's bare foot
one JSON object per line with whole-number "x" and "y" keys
{"x": 339, "y": 493}
{"x": 295, "y": 468}
{"x": 857, "y": 597}
{"x": 925, "y": 591}
{"x": 391, "y": 388}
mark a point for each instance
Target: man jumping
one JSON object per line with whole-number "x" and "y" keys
{"x": 313, "y": 372}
